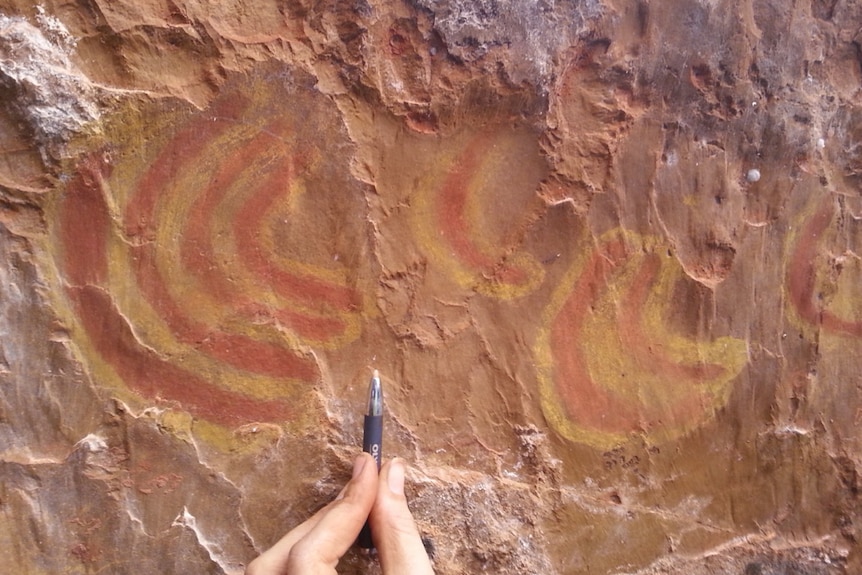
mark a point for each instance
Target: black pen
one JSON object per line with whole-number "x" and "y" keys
{"x": 372, "y": 440}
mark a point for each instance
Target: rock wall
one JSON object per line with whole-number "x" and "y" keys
{"x": 605, "y": 254}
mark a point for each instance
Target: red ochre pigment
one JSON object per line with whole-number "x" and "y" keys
{"x": 310, "y": 291}
{"x": 187, "y": 145}
{"x": 637, "y": 342}
{"x": 199, "y": 257}
{"x": 85, "y": 269}
{"x": 802, "y": 276}
{"x": 452, "y": 217}
{"x": 321, "y": 306}
{"x": 587, "y": 402}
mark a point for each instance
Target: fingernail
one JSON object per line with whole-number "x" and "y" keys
{"x": 396, "y": 477}
{"x": 359, "y": 465}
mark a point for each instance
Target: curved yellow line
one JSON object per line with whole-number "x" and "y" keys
{"x": 845, "y": 301}
{"x": 611, "y": 366}
{"x": 425, "y": 223}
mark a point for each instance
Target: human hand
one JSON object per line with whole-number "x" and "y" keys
{"x": 392, "y": 527}
{"x": 315, "y": 546}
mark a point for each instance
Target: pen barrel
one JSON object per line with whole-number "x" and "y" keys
{"x": 372, "y": 442}
{"x": 372, "y": 438}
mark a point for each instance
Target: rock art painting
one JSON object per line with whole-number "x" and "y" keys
{"x": 192, "y": 279}
{"x": 610, "y": 363}
{"x": 823, "y": 286}
{"x": 454, "y": 222}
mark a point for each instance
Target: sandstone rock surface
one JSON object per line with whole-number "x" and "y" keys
{"x": 606, "y": 254}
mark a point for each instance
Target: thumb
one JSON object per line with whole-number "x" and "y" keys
{"x": 395, "y": 534}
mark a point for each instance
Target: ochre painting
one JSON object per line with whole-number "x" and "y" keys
{"x": 823, "y": 282}
{"x": 460, "y": 234}
{"x": 201, "y": 277}
{"x": 610, "y": 362}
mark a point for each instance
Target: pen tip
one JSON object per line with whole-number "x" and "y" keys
{"x": 376, "y": 374}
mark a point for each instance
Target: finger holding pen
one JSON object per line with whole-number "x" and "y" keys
{"x": 370, "y": 499}
{"x": 315, "y": 546}
{"x": 396, "y": 536}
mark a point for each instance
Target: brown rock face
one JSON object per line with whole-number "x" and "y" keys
{"x": 606, "y": 254}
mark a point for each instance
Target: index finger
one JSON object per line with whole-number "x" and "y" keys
{"x": 327, "y": 539}
{"x": 274, "y": 561}
{"x": 395, "y": 533}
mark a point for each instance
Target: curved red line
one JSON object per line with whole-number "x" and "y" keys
{"x": 802, "y": 275}
{"x": 139, "y": 219}
{"x": 233, "y": 349}
{"x": 309, "y": 290}
{"x": 321, "y": 329}
{"x": 588, "y": 403}
{"x": 584, "y": 401}
{"x": 317, "y": 328}
{"x": 198, "y": 254}
{"x": 153, "y": 378}
{"x": 451, "y": 215}
{"x": 186, "y": 146}
{"x": 196, "y": 249}
{"x": 635, "y": 340}
{"x": 83, "y": 222}
{"x": 141, "y": 370}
